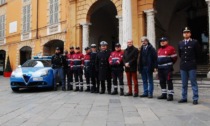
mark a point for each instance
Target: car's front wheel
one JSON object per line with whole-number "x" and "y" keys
{"x": 15, "y": 89}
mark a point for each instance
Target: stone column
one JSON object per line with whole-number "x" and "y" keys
{"x": 208, "y": 3}
{"x": 127, "y": 22}
{"x": 120, "y": 29}
{"x": 85, "y": 36}
{"x": 151, "y": 26}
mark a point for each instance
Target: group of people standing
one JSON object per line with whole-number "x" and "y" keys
{"x": 103, "y": 66}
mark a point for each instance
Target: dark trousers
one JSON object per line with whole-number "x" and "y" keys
{"x": 130, "y": 76}
{"x": 95, "y": 83}
{"x": 87, "y": 77}
{"x": 78, "y": 78}
{"x": 109, "y": 85}
{"x": 116, "y": 74}
{"x": 165, "y": 77}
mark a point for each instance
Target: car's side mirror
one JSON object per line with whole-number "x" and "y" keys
{"x": 19, "y": 66}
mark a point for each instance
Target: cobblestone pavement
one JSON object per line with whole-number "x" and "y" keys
{"x": 49, "y": 108}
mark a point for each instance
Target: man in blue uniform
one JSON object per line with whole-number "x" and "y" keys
{"x": 188, "y": 52}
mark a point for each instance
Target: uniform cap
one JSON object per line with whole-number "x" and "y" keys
{"x": 117, "y": 45}
{"x": 77, "y": 48}
{"x": 57, "y": 48}
{"x": 163, "y": 39}
{"x": 72, "y": 47}
{"x": 93, "y": 45}
{"x": 186, "y": 29}
{"x": 103, "y": 43}
{"x": 87, "y": 48}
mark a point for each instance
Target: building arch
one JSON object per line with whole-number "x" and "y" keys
{"x": 49, "y": 47}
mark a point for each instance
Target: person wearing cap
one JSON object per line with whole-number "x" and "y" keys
{"x": 167, "y": 57}
{"x": 87, "y": 67}
{"x": 70, "y": 72}
{"x": 116, "y": 62}
{"x": 58, "y": 62}
{"x": 66, "y": 69}
{"x": 77, "y": 64}
{"x": 94, "y": 74}
{"x": 130, "y": 61}
{"x": 189, "y": 50}
{"x": 103, "y": 67}
{"x": 146, "y": 66}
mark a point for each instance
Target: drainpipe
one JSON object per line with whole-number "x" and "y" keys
{"x": 37, "y": 19}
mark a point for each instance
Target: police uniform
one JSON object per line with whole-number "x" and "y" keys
{"x": 70, "y": 71}
{"x": 94, "y": 74}
{"x": 189, "y": 51}
{"x": 116, "y": 62}
{"x": 104, "y": 69}
{"x": 77, "y": 64}
{"x": 58, "y": 62}
{"x": 66, "y": 69}
{"x": 87, "y": 68}
{"x": 166, "y": 58}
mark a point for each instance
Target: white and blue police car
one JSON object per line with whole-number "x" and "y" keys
{"x": 34, "y": 73}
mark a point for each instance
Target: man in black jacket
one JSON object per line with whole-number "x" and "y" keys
{"x": 58, "y": 62}
{"x": 188, "y": 52}
{"x": 147, "y": 65}
{"x": 130, "y": 61}
{"x": 103, "y": 67}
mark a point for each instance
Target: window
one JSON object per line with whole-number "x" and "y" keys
{"x": 2, "y": 27}
{"x": 54, "y": 11}
{"x": 2, "y": 2}
{"x": 26, "y": 18}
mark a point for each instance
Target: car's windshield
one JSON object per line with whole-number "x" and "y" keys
{"x": 37, "y": 63}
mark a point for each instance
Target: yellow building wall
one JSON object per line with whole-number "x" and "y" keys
{"x": 72, "y": 14}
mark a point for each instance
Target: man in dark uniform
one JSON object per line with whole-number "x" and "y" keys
{"x": 188, "y": 52}
{"x": 77, "y": 64}
{"x": 116, "y": 62}
{"x": 70, "y": 71}
{"x": 58, "y": 62}
{"x": 87, "y": 67}
{"x": 94, "y": 73}
{"x": 103, "y": 67}
{"x": 66, "y": 69}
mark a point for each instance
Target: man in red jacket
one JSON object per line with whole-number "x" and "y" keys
{"x": 116, "y": 62}
{"x": 70, "y": 72}
{"x": 77, "y": 64}
{"x": 166, "y": 58}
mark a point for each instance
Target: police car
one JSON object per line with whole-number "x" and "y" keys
{"x": 36, "y": 72}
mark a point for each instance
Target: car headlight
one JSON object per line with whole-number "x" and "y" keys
{"x": 16, "y": 73}
{"x": 43, "y": 73}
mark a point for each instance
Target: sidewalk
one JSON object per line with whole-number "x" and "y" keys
{"x": 49, "y": 108}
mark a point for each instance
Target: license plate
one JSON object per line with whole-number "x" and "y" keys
{"x": 38, "y": 79}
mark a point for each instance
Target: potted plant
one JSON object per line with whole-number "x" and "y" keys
{"x": 8, "y": 69}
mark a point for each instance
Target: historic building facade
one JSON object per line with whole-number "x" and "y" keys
{"x": 31, "y": 27}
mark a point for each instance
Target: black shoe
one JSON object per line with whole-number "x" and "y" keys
{"x": 77, "y": 89}
{"x": 135, "y": 95}
{"x": 128, "y": 94}
{"x": 96, "y": 91}
{"x": 109, "y": 92}
{"x": 114, "y": 92}
{"x": 182, "y": 101}
{"x": 63, "y": 89}
{"x": 102, "y": 92}
{"x": 55, "y": 88}
{"x": 163, "y": 96}
{"x": 170, "y": 98}
{"x": 81, "y": 89}
{"x": 121, "y": 92}
{"x": 70, "y": 88}
{"x": 195, "y": 102}
{"x": 150, "y": 96}
{"x": 143, "y": 96}
{"x": 87, "y": 90}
